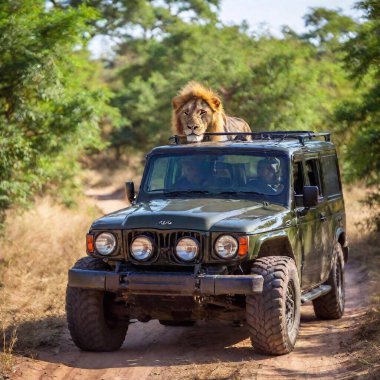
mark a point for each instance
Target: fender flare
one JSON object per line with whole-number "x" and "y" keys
{"x": 340, "y": 237}
{"x": 278, "y": 237}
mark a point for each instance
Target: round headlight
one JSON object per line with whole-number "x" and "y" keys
{"x": 105, "y": 243}
{"x": 226, "y": 246}
{"x": 187, "y": 249}
{"x": 142, "y": 248}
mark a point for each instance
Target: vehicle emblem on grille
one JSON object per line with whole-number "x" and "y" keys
{"x": 165, "y": 222}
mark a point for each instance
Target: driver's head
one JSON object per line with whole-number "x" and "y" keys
{"x": 192, "y": 170}
{"x": 268, "y": 169}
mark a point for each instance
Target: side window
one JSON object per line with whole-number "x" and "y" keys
{"x": 313, "y": 174}
{"x": 331, "y": 175}
{"x": 297, "y": 178}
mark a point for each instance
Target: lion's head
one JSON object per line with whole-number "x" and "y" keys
{"x": 197, "y": 110}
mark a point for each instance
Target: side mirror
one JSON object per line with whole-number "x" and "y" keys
{"x": 310, "y": 196}
{"x": 130, "y": 191}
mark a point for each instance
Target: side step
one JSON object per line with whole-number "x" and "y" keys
{"x": 315, "y": 293}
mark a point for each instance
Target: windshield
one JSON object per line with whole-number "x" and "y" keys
{"x": 255, "y": 175}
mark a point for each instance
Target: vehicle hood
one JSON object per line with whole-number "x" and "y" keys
{"x": 198, "y": 214}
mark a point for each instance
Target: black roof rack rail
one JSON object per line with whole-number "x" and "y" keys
{"x": 301, "y": 136}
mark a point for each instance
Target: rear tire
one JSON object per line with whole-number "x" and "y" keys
{"x": 90, "y": 327}
{"x": 273, "y": 317}
{"x": 331, "y": 305}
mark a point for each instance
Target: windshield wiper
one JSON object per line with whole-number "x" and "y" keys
{"x": 196, "y": 192}
{"x": 181, "y": 192}
{"x": 238, "y": 193}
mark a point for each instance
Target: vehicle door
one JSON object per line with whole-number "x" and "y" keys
{"x": 334, "y": 211}
{"x": 311, "y": 221}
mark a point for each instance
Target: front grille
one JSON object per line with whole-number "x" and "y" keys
{"x": 165, "y": 242}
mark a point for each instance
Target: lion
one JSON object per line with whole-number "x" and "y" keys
{"x": 197, "y": 110}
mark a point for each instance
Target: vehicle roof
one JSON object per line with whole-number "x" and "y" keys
{"x": 288, "y": 147}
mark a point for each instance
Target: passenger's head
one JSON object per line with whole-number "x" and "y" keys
{"x": 192, "y": 170}
{"x": 268, "y": 169}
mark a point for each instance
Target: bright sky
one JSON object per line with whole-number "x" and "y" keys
{"x": 273, "y": 13}
{"x": 276, "y": 13}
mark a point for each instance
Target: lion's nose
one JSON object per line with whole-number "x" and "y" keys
{"x": 193, "y": 127}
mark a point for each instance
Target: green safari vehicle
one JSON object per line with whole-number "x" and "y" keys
{"x": 239, "y": 230}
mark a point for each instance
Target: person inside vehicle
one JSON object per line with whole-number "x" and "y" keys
{"x": 193, "y": 175}
{"x": 268, "y": 176}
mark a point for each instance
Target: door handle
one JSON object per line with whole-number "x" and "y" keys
{"x": 322, "y": 217}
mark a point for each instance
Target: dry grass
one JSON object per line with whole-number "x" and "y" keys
{"x": 6, "y": 355}
{"x": 364, "y": 242}
{"x": 365, "y": 249}
{"x": 114, "y": 173}
{"x": 37, "y": 249}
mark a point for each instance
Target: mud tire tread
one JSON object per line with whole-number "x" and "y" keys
{"x": 266, "y": 318}
{"x": 85, "y": 315}
{"x": 327, "y": 306}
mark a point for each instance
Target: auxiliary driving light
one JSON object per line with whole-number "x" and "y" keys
{"x": 142, "y": 248}
{"x": 187, "y": 249}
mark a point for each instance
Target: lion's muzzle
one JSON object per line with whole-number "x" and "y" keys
{"x": 192, "y": 137}
{"x": 193, "y": 128}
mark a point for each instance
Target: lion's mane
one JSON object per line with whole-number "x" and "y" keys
{"x": 194, "y": 90}
{"x": 220, "y": 122}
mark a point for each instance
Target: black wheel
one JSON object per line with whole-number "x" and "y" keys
{"x": 90, "y": 325}
{"x": 331, "y": 305}
{"x": 273, "y": 317}
{"x": 176, "y": 323}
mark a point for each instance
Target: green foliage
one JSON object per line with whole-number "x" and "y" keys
{"x": 49, "y": 112}
{"x": 272, "y": 83}
{"x": 328, "y": 27}
{"x": 361, "y": 115}
{"x": 54, "y": 100}
{"x": 147, "y": 18}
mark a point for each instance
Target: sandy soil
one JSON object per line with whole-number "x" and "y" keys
{"x": 209, "y": 350}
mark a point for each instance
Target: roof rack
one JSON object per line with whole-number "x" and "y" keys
{"x": 301, "y": 136}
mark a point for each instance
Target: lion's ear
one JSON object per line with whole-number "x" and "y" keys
{"x": 216, "y": 102}
{"x": 177, "y": 102}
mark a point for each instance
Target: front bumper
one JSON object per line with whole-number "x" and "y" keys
{"x": 167, "y": 283}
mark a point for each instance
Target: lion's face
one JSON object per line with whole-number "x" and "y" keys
{"x": 195, "y": 117}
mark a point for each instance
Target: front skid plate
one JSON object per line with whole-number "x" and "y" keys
{"x": 168, "y": 283}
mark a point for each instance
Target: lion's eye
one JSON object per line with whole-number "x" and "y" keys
{"x": 202, "y": 112}
{"x": 186, "y": 113}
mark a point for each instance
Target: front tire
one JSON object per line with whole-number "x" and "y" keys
{"x": 331, "y": 305}
{"x": 90, "y": 326}
{"x": 273, "y": 317}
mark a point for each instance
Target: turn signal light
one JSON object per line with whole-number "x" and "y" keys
{"x": 90, "y": 243}
{"x": 243, "y": 245}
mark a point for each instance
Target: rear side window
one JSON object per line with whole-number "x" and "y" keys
{"x": 313, "y": 174}
{"x": 331, "y": 175}
{"x": 297, "y": 178}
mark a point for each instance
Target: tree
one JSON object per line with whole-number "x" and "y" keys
{"x": 361, "y": 116}
{"x": 273, "y": 83}
{"x": 144, "y": 18}
{"x": 328, "y": 27}
{"x": 49, "y": 109}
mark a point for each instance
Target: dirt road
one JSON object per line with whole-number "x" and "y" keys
{"x": 211, "y": 350}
